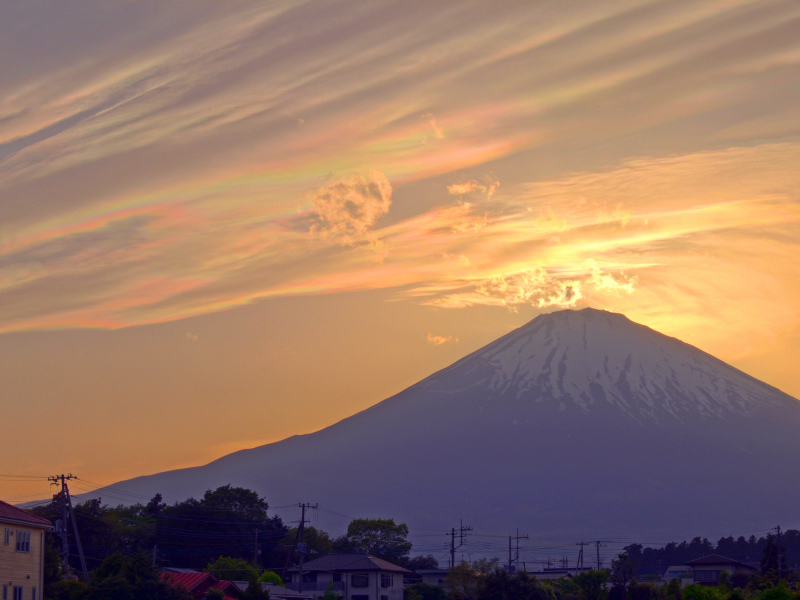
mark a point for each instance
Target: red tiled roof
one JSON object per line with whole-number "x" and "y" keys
{"x": 188, "y": 580}
{"x": 198, "y": 583}
{"x": 12, "y": 513}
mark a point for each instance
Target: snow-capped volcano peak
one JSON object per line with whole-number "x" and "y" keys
{"x": 593, "y": 359}
{"x": 579, "y": 422}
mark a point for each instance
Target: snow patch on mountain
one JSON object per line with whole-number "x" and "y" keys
{"x": 593, "y": 358}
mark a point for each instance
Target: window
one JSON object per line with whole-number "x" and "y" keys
{"x": 7, "y": 542}
{"x": 706, "y": 576}
{"x": 384, "y": 597}
{"x": 34, "y": 596}
{"x": 337, "y": 578}
{"x": 359, "y": 597}
{"x": 17, "y": 592}
{"x": 23, "y": 542}
{"x": 386, "y": 580}
{"x": 359, "y": 581}
{"x": 5, "y": 589}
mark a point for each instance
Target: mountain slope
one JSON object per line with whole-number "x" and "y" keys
{"x": 580, "y": 422}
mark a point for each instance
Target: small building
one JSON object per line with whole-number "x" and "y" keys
{"x": 21, "y": 553}
{"x": 432, "y": 576}
{"x": 351, "y": 576}
{"x": 706, "y": 570}
{"x": 682, "y": 573}
{"x": 198, "y": 584}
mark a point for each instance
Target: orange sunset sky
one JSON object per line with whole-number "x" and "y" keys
{"x": 225, "y": 223}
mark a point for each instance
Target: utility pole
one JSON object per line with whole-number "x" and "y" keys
{"x": 300, "y": 532}
{"x": 511, "y": 560}
{"x": 155, "y": 554}
{"x": 66, "y": 505}
{"x": 778, "y": 549}
{"x": 461, "y": 531}
{"x": 579, "y": 564}
{"x": 598, "y": 544}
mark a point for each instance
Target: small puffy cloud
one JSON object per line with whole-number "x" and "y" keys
{"x": 607, "y": 282}
{"x": 351, "y": 206}
{"x": 532, "y": 287}
{"x": 563, "y": 294}
{"x": 535, "y": 287}
{"x": 468, "y": 187}
{"x": 457, "y": 189}
{"x": 438, "y": 340}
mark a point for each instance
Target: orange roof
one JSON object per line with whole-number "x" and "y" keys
{"x": 12, "y": 513}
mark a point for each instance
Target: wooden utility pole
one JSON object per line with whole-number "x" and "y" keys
{"x": 66, "y": 506}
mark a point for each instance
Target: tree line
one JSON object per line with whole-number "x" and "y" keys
{"x": 657, "y": 560}
{"x": 229, "y": 533}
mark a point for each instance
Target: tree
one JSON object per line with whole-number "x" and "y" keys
{"x": 674, "y": 589}
{"x": 121, "y": 577}
{"x": 424, "y": 591}
{"x": 254, "y": 590}
{"x": 591, "y": 584}
{"x": 215, "y": 594}
{"x": 227, "y": 516}
{"x": 317, "y": 542}
{"x": 233, "y": 569}
{"x": 462, "y": 582}
{"x": 621, "y": 574}
{"x": 774, "y": 557}
{"x": 502, "y": 585}
{"x": 271, "y": 577}
{"x": 420, "y": 562}
{"x": 380, "y": 537}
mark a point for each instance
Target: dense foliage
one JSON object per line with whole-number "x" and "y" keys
{"x": 752, "y": 549}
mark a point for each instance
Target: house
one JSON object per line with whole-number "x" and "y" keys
{"x": 432, "y": 576}
{"x": 21, "y": 553}
{"x": 682, "y": 573}
{"x": 352, "y": 576}
{"x": 706, "y": 570}
{"x": 198, "y": 583}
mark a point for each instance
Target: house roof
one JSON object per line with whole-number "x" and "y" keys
{"x": 716, "y": 559}
{"x": 350, "y": 562}
{"x": 17, "y": 515}
{"x": 188, "y": 580}
{"x": 197, "y": 583}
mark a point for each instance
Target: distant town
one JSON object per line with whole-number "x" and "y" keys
{"x": 226, "y": 545}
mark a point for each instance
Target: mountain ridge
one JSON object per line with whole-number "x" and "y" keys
{"x": 576, "y": 421}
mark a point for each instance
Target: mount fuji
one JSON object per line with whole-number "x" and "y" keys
{"x": 580, "y": 423}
